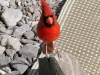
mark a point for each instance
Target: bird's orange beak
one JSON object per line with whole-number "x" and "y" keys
{"x": 49, "y": 20}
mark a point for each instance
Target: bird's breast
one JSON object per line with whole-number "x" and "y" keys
{"x": 48, "y": 34}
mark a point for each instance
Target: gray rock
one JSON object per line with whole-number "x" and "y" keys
{"x": 21, "y": 30}
{"x": 36, "y": 8}
{"x": 2, "y": 49}
{"x": 34, "y": 2}
{"x": 7, "y": 69}
{"x": 4, "y": 2}
{"x": 29, "y": 50}
{"x": 34, "y": 23}
{"x": 23, "y": 21}
{"x": 36, "y": 14}
{"x": 38, "y": 39}
{"x": 11, "y": 16}
{"x": 4, "y": 60}
{"x": 8, "y": 32}
{"x": 18, "y": 2}
{"x": 2, "y": 55}
{"x": 20, "y": 64}
{"x": 31, "y": 9}
{"x": 13, "y": 73}
{"x": 2, "y": 72}
{"x": 26, "y": 41}
{"x": 37, "y": 18}
{"x": 29, "y": 14}
{"x": 10, "y": 52}
{"x": 59, "y": 0}
{"x": 29, "y": 35}
{"x": 20, "y": 24}
{"x": 11, "y": 41}
{"x": 49, "y": 1}
{"x": 2, "y": 27}
{"x": 3, "y": 40}
{"x": 12, "y": 3}
{"x": 34, "y": 29}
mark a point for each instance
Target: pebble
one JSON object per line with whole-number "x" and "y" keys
{"x": 2, "y": 27}
{"x": 18, "y": 2}
{"x": 31, "y": 9}
{"x": 11, "y": 16}
{"x": 14, "y": 43}
{"x": 13, "y": 73}
{"x": 2, "y": 49}
{"x": 20, "y": 24}
{"x": 34, "y": 23}
{"x": 7, "y": 40}
{"x": 4, "y": 60}
{"x": 29, "y": 50}
{"x": 29, "y": 35}
{"x": 29, "y": 14}
{"x": 6, "y": 69}
{"x": 21, "y": 30}
{"x": 49, "y": 1}
{"x": 20, "y": 64}
{"x": 34, "y": 29}
{"x": 34, "y": 2}
{"x": 10, "y": 52}
{"x": 27, "y": 41}
{"x": 2, "y": 72}
{"x": 4, "y": 2}
{"x": 12, "y": 3}
{"x": 8, "y": 32}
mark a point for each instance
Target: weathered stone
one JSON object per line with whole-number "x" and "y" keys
{"x": 9, "y": 32}
{"x": 34, "y": 29}
{"x": 20, "y": 24}
{"x": 2, "y": 49}
{"x": 29, "y": 50}
{"x": 4, "y": 2}
{"x": 34, "y": 23}
{"x": 31, "y": 9}
{"x": 2, "y": 27}
{"x": 10, "y": 52}
{"x": 11, "y": 16}
{"x": 34, "y": 2}
{"x": 21, "y": 30}
{"x": 12, "y": 3}
{"x": 18, "y": 2}
{"x": 4, "y": 60}
{"x": 27, "y": 41}
{"x": 7, "y": 69}
{"x": 20, "y": 64}
{"x": 29, "y": 35}
{"x": 11, "y": 41}
{"x": 29, "y": 14}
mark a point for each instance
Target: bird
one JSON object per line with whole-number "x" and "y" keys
{"x": 48, "y": 29}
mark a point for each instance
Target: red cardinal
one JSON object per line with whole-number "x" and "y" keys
{"x": 48, "y": 28}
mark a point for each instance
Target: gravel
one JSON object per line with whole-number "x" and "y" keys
{"x": 29, "y": 35}
{"x": 18, "y": 40}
